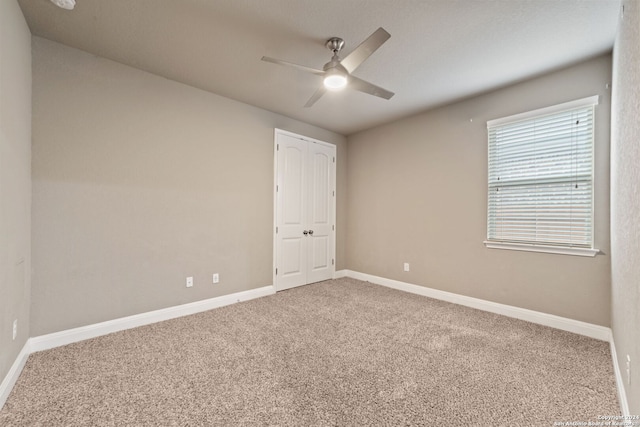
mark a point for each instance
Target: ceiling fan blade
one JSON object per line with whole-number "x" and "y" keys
{"x": 366, "y": 48}
{"x": 371, "y": 89}
{"x": 317, "y": 94}
{"x": 291, "y": 64}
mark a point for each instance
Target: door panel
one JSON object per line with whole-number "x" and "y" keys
{"x": 292, "y": 257}
{"x": 293, "y": 184}
{"x": 319, "y": 189}
{"x": 319, "y": 259}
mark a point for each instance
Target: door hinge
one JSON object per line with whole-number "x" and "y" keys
{"x": 334, "y": 160}
{"x": 331, "y": 261}
{"x": 277, "y": 147}
{"x": 333, "y": 227}
{"x": 277, "y": 189}
{"x": 276, "y": 230}
{"x": 276, "y": 271}
{"x": 334, "y": 194}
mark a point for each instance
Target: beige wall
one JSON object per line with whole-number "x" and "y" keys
{"x": 15, "y": 181}
{"x": 625, "y": 199}
{"x": 139, "y": 182}
{"x": 418, "y": 194}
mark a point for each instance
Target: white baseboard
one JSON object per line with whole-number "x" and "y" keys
{"x": 594, "y": 331}
{"x": 340, "y": 274}
{"x": 57, "y": 339}
{"x": 622, "y": 395}
{"x": 14, "y": 372}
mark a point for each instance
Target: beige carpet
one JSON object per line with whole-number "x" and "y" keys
{"x": 341, "y": 352}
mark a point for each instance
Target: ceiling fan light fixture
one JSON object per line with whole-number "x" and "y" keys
{"x": 65, "y": 4}
{"x": 335, "y": 81}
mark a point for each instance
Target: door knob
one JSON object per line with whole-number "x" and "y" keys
{"x": 305, "y": 232}
{"x": 310, "y": 232}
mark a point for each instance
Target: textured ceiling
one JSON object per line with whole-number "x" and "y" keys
{"x": 439, "y": 50}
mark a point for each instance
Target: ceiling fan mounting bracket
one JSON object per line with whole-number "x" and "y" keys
{"x": 335, "y": 44}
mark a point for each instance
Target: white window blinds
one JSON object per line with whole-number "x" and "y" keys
{"x": 541, "y": 176}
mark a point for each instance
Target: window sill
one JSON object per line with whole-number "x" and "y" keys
{"x": 542, "y": 248}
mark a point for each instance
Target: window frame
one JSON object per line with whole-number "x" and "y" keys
{"x": 542, "y": 247}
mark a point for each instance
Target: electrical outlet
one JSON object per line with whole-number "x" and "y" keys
{"x": 15, "y": 329}
{"x": 406, "y": 266}
{"x": 628, "y": 370}
{"x": 189, "y": 282}
{"x": 216, "y": 278}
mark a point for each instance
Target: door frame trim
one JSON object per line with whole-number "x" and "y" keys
{"x": 277, "y": 132}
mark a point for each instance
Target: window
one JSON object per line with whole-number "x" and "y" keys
{"x": 540, "y": 189}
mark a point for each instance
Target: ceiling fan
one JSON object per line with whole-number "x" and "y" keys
{"x": 337, "y": 72}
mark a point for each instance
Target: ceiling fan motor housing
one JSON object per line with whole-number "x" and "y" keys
{"x": 335, "y": 44}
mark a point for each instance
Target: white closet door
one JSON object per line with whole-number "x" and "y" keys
{"x": 320, "y": 212}
{"x": 304, "y": 211}
{"x": 291, "y": 201}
